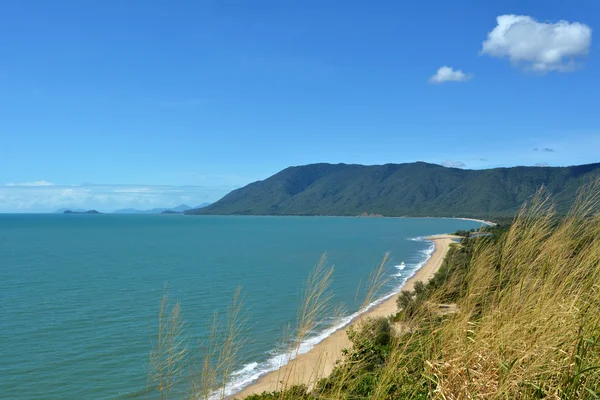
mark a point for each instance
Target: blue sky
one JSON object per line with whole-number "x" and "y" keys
{"x": 111, "y": 104}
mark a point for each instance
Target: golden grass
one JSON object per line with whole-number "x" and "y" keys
{"x": 529, "y": 326}
{"x": 314, "y": 307}
{"x": 168, "y": 359}
{"x": 172, "y": 361}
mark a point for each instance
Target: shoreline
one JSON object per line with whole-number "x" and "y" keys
{"x": 483, "y": 221}
{"x": 320, "y": 361}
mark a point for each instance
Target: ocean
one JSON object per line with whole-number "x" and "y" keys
{"x": 80, "y": 293}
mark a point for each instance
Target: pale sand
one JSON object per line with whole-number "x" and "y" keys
{"x": 320, "y": 360}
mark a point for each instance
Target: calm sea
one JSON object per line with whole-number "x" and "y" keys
{"x": 80, "y": 293}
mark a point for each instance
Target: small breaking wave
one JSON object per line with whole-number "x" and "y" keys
{"x": 400, "y": 268}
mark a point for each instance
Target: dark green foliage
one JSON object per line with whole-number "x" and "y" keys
{"x": 298, "y": 392}
{"x": 405, "y": 300}
{"x": 415, "y": 189}
{"x": 371, "y": 347}
{"x": 464, "y": 233}
{"x": 371, "y": 343}
{"x": 358, "y": 378}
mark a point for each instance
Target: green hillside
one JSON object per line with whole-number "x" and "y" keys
{"x": 413, "y": 189}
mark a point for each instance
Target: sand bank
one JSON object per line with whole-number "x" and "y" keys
{"x": 320, "y": 360}
{"x": 482, "y": 221}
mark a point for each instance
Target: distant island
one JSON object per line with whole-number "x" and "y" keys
{"x": 62, "y": 210}
{"x": 171, "y": 210}
{"x": 411, "y": 190}
{"x": 179, "y": 209}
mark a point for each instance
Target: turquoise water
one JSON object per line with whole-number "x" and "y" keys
{"x": 80, "y": 293}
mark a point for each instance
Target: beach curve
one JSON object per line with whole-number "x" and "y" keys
{"x": 320, "y": 361}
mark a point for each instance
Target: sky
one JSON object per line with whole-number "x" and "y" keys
{"x": 116, "y": 104}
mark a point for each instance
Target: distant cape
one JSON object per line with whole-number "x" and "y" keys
{"x": 179, "y": 209}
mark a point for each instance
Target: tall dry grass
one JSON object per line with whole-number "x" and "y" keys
{"x": 314, "y": 306}
{"x": 177, "y": 371}
{"x": 169, "y": 357}
{"x": 529, "y": 324}
{"x": 221, "y": 352}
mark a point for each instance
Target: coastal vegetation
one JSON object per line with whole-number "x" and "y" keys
{"x": 514, "y": 313}
{"x": 412, "y": 190}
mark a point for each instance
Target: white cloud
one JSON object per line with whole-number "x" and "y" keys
{"x": 36, "y": 183}
{"x": 538, "y": 46}
{"x": 447, "y": 74}
{"x": 105, "y": 198}
{"x": 454, "y": 164}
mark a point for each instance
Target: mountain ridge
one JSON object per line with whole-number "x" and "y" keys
{"x": 411, "y": 189}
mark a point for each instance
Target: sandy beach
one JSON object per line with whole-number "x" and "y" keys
{"x": 320, "y": 360}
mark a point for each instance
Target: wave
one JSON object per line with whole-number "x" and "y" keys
{"x": 247, "y": 368}
{"x": 254, "y": 370}
{"x": 400, "y": 268}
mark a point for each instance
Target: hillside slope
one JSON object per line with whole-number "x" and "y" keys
{"x": 413, "y": 189}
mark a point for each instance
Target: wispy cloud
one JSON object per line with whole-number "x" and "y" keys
{"x": 106, "y": 198}
{"x": 538, "y": 46}
{"x": 29, "y": 184}
{"x": 189, "y": 103}
{"x": 454, "y": 164}
{"x": 545, "y": 149}
{"x": 542, "y": 164}
{"x": 448, "y": 74}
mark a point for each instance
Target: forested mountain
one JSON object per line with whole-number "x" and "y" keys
{"x": 413, "y": 189}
